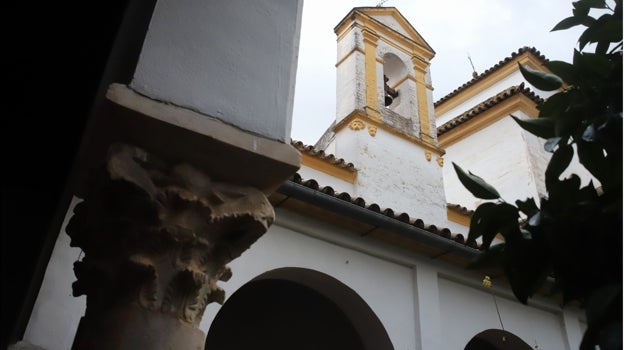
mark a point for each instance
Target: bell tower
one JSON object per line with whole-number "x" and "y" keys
{"x": 385, "y": 123}
{"x": 383, "y": 73}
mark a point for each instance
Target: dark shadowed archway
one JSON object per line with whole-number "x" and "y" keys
{"x": 295, "y": 308}
{"x": 496, "y": 339}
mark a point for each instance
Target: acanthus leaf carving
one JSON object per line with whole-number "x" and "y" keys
{"x": 160, "y": 236}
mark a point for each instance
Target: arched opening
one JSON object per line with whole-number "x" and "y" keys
{"x": 496, "y": 339}
{"x": 394, "y": 72}
{"x": 295, "y": 308}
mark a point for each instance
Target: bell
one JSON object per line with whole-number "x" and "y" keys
{"x": 388, "y": 100}
{"x": 390, "y": 93}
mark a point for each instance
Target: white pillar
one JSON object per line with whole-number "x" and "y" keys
{"x": 427, "y": 302}
{"x": 572, "y": 327}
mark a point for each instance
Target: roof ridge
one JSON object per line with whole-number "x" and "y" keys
{"x": 320, "y": 154}
{"x": 487, "y": 104}
{"x": 491, "y": 70}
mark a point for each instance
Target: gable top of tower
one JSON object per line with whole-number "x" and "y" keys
{"x": 388, "y": 21}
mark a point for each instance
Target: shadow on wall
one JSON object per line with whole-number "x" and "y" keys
{"x": 295, "y": 308}
{"x": 496, "y": 339}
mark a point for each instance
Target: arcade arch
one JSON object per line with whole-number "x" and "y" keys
{"x": 296, "y": 308}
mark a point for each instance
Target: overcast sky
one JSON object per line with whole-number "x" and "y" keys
{"x": 487, "y": 30}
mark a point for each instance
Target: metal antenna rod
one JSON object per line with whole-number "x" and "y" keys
{"x": 474, "y": 71}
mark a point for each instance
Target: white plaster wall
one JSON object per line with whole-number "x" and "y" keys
{"x": 394, "y": 173}
{"x": 418, "y": 308}
{"x": 350, "y": 74}
{"x": 505, "y": 83}
{"x": 389, "y": 21}
{"x": 235, "y": 62}
{"x": 325, "y": 179}
{"x": 538, "y": 159}
{"x": 56, "y": 312}
{"x": 350, "y": 41}
{"x": 367, "y": 275}
{"x": 511, "y": 80}
{"x": 466, "y": 311}
{"x": 498, "y": 154}
{"x": 507, "y": 157}
{"x": 350, "y": 85}
{"x": 406, "y": 103}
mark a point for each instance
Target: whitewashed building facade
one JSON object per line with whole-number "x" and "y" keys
{"x": 368, "y": 247}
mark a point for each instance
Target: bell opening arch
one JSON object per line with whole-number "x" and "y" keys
{"x": 394, "y": 72}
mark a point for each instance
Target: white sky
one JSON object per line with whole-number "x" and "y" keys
{"x": 488, "y": 30}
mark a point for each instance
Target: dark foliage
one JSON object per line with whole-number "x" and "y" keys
{"x": 575, "y": 235}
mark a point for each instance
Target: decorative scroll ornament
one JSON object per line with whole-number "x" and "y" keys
{"x": 428, "y": 156}
{"x": 356, "y": 125}
{"x": 440, "y": 161}
{"x": 160, "y": 236}
{"x": 372, "y": 130}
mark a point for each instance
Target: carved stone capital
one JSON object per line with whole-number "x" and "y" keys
{"x": 157, "y": 237}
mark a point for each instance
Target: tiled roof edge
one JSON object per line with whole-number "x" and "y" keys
{"x": 460, "y": 209}
{"x": 403, "y": 217}
{"x": 491, "y": 70}
{"x": 487, "y": 104}
{"x": 320, "y": 154}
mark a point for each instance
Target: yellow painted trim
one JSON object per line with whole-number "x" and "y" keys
{"x": 410, "y": 45}
{"x": 408, "y": 50}
{"x": 370, "y": 68}
{"x": 462, "y": 219}
{"x": 346, "y": 31}
{"x": 421, "y": 96}
{"x": 503, "y": 109}
{"x": 359, "y": 114}
{"x": 510, "y": 67}
{"x": 357, "y": 49}
{"x": 328, "y": 168}
{"x": 407, "y": 76}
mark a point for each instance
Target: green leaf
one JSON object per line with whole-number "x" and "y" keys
{"x": 580, "y": 9}
{"x": 525, "y": 264}
{"x": 554, "y": 105}
{"x": 536, "y": 219}
{"x": 595, "y": 64}
{"x": 490, "y": 219}
{"x": 562, "y": 69}
{"x": 597, "y": 4}
{"x": 500, "y": 218}
{"x": 528, "y": 206}
{"x": 605, "y": 28}
{"x": 567, "y": 23}
{"x": 589, "y": 135}
{"x": 604, "y": 318}
{"x": 552, "y": 142}
{"x": 592, "y": 156}
{"x": 558, "y": 163}
{"x": 541, "y": 80}
{"x": 479, "y": 220}
{"x": 476, "y": 185}
{"x": 542, "y": 127}
{"x": 488, "y": 259}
